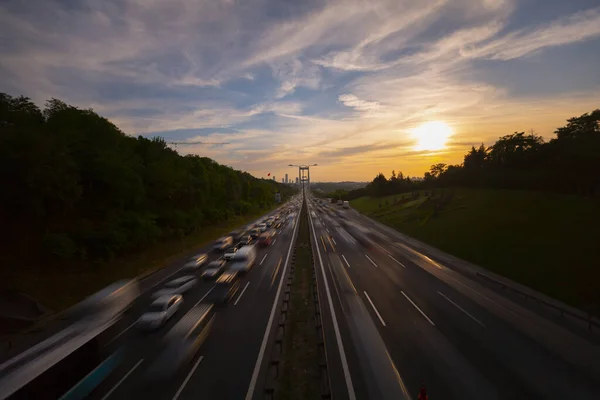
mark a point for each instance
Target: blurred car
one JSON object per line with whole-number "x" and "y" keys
{"x": 177, "y": 286}
{"x": 255, "y": 232}
{"x": 230, "y": 252}
{"x": 223, "y": 243}
{"x": 196, "y": 261}
{"x": 244, "y": 259}
{"x": 225, "y": 288}
{"x": 244, "y": 240}
{"x": 160, "y": 311}
{"x": 214, "y": 269}
{"x": 262, "y": 227}
{"x": 181, "y": 343}
{"x": 266, "y": 238}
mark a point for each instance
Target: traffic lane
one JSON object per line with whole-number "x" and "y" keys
{"x": 217, "y": 337}
{"x": 233, "y": 346}
{"x": 415, "y": 363}
{"x": 515, "y": 364}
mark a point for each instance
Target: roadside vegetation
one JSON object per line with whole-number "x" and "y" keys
{"x": 80, "y": 198}
{"x": 526, "y": 208}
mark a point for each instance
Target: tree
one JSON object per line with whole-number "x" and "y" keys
{"x": 437, "y": 170}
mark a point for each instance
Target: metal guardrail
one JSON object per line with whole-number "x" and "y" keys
{"x": 589, "y": 319}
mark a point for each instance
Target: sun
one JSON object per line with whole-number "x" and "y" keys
{"x": 432, "y": 135}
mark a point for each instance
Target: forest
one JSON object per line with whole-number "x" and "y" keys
{"x": 75, "y": 187}
{"x": 569, "y": 163}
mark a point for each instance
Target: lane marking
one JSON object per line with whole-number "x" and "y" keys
{"x": 274, "y": 240}
{"x": 323, "y": 241}
{"x": 417, "y": 307}
{"x": 205, "y": 294}
{"x": 346, "y": 261}
{"x": 263, "y": 259}
{"x": 188, "y": 378}
{"x": 336, "y": 328}
{"x": 330, "y": 243}
{"x": 461, "y": 309}
{"x": 263, "y": 345}
{"x": 327, "y": 230}
{"x": 333, "y": 240}
{"x": 241, "y": 294}
{"x": 107, "y": 395}
{"x": 390, "y": 256}
{"x": 123, "y": 331}
{"x": 276, "y": 271}
{"x": 375, "y": 309}
{"x": 372, "y": 262}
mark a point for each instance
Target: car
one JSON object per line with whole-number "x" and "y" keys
{"x": 177, "y": 286}
{"x": 214, "y": 269}
{"x": 225, "y": 288}
{"x": 266, "y": 238}
{"x": 160, "y": 311}
{"x": 230, "y": 252}
{"x": 196, "y": 261}
{"x": 180, "y": 344}
{"x": 255, "y": 232}
{"x": 244, "y": 240}
{"x": 223, "y": 243}
{"x": 262, "y": 227}
{"x": 244, "y": 259}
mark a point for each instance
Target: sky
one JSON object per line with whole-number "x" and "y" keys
{"x": 355, "y": 86}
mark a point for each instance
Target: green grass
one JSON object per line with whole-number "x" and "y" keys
{"x": 61, "y": 289}
{"x": 300, "y": 377}
{"x": 547, "y": 241}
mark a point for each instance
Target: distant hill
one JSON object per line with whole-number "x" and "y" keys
{"x": 327, "y": 187}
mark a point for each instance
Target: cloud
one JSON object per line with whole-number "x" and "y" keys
{"x": 578, "y": 27}
{"x": 338, "y": 82}
{"x": 353, "y": 101}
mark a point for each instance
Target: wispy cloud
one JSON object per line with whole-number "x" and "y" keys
{"x": 338, "y": 82}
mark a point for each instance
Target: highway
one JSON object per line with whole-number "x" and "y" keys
{"x": 461, "y": 339}
{"x": 393, "y": 319}
{"x": 224, "y": 366}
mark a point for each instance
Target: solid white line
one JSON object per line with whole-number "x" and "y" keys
{"x": 188, "y": 378}
{"x": 346, "y": 261}
{"x": 390, "y": 256}
{"x": 461, "y": 309}
{"x": 206, "y": 294}
{"x": 422, "y": 313}
{"x": 336, "y": 328}
{"x": 241, "y": 294}
{"x": 123, "y": 331}
{"x": 263, "y": 345}
{"x": 375, "y": 309}
{"x": 333, "y": 241}
{"x": 372, "y": 262}
{"x": 106, "y": 396}
{"x": 263, "y": 259}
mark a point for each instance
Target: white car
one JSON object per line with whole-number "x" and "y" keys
{"x": 229, "y": 253}
{"x": 196, "y": 261}
{"x": 161, "y": 310}
{"x": 177, "y": 286}
{"x": 262, "y": 227}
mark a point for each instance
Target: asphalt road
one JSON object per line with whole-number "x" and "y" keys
{"x": 225, "y": 363}
{"x": 460, "y": 338}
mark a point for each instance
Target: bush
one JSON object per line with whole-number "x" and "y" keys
{"x": 60, "y": 245}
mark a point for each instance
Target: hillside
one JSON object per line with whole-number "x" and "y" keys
{"x": 546, "y": 241}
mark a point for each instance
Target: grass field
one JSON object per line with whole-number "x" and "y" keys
{"x": 61, "y": 290}
{"x": 547, "y": 241}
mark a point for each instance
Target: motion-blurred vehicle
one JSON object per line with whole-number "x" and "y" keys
{"x": 160, "y": 311}
{"x": 214, "y": 269}
{"x": 225, "y": 288}
{"x": 230, "y": 252}
{"x": 244, "y": 240}
{"x": 244, "y": 259}
{"x": 223, "y": 243}
{"x": 346, "y": 204}
{"x": 177, "y": 286}
{"x": 255, "y": 232}
{"x": 266, "y": 238}
{"x": 196, "y": 261}
{"x": 262, "y": 227}
{"x": 181, "y": 343}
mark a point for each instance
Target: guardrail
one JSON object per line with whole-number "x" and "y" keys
{"x": 589, "y": 319}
